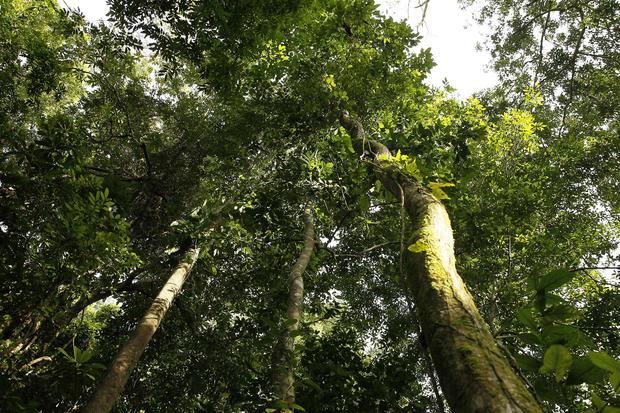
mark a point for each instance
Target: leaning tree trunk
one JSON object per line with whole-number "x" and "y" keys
{"x": 110, "y": 388}
{"x": 283, "y": 368}
{"x": 474, "y": 375}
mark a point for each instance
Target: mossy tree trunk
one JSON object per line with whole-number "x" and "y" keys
{"x": 284, "y": 352}
{"x": 111, "y": 387}
{"x": 474, "y": 375}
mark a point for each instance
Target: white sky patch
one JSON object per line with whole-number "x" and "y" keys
{"x": 452, "y": 35}
{"x": 93, "y": 10}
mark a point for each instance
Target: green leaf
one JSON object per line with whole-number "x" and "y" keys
{"x": 560, "y": 312}
{"x": 557, "y": 359}
{"x": 527, "y": 362}
{"x": 400, "y": 157}
{"x": 330, "y": 81}
{"x": 437, "y": 191}
{"x": 312, "y": 384}
{"x": 584, "y": 371}
{"x": 419, "y": 246}
{"x": 550, "y": 281}
{"x": 547, "y": 389}
{"x": 525, "y": 316}
{"x": 598, "y": 402}
{"x": 364, "y": 203}
{"x": 97, "y": 366}
{"x": 604, "y": 361}
{"x": 602, "y": 405}
{"x": 348, "y": 143}
{"x": 297, "y": 407}
{"x": 558, "y": 334}
{"x": 554, "y": 299}
{"x": 85, "y": 356}
{"x": 64, "y": 353}
{"x": 411, "y": 167}
{"x": 280, "y": 404}
{"x": 340, "y": 371}
{"x": 615, "y": 381}
{"x": 296, "y": 333}
{"x": 556, "y": 279}
{"x": 540, "y": 301}
{"x": 530, "y": 338}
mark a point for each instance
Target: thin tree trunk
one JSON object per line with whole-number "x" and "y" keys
{"x": 110, "y": 388}
{"x": 475, "y": 376}
{"x": 283, "y": 366}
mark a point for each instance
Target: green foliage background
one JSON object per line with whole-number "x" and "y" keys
{"x": 113, "y": 159}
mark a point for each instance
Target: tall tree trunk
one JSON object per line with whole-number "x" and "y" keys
{"x": 110, "y": 388}
{"x": 474, "y": 375}
{"x": 283, "y": 368}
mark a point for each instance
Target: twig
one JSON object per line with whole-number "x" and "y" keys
{"x": 540, "y": 49}
{"x": 367, "y": 250}
{"x": 585, "y": 271}
{"x": 572, "y": 77}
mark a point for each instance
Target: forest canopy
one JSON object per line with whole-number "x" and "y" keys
{"x": 265, "y": 206}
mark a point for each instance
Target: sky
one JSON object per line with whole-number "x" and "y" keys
{"x": 94, "y": 10}
{"x": 452, "y": 35}
{"x": 449, "y": 31}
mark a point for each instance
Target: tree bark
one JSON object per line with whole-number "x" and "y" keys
{"x": 475, "y": 376}
{"x": 110, "y": 388}
{"x": 283, "y": 357}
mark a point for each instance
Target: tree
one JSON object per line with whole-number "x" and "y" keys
{"x": 284, "y": 352}
{"x": 124, "y": 362}
{"x": 123, "y": 157}
{"x": 474, "y": 374}
{"x": 561, "y": 53}
{"x": 568, "y": 51}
